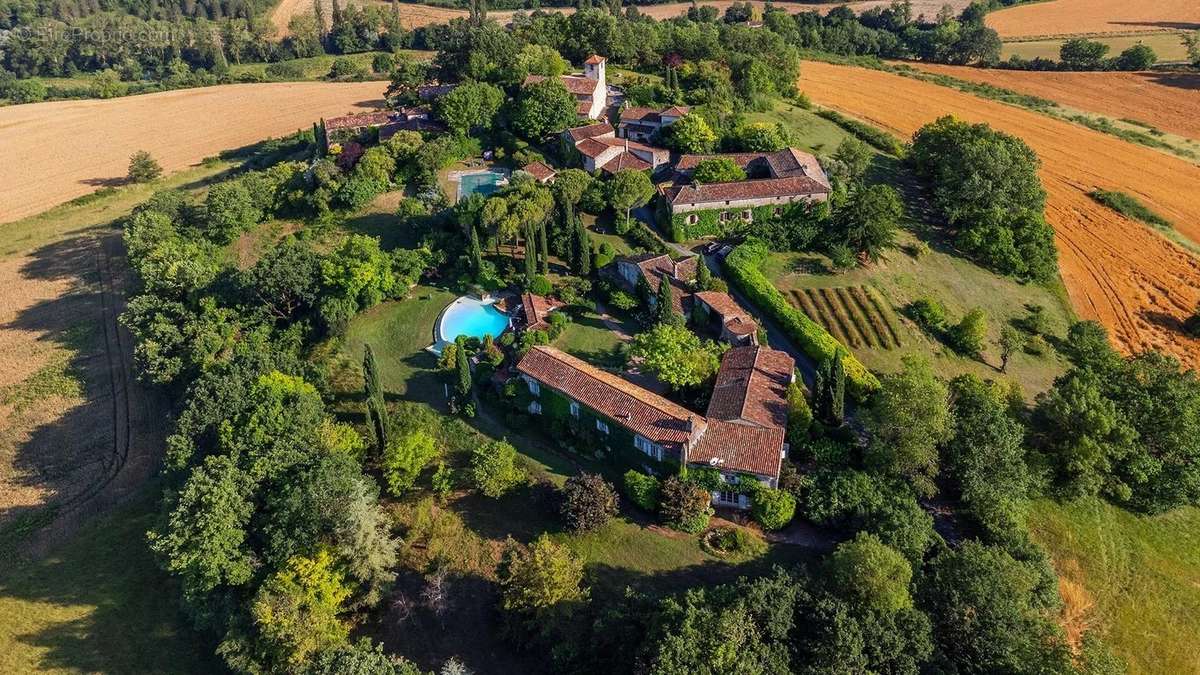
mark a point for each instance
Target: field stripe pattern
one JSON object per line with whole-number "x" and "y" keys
{"x": 1075, "y": 17}
{"x": 1134, "y": 281}
{"x": 850, "y": 315}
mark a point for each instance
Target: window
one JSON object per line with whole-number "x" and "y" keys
{"x": 652, "y": 449}
{"x": 535, "y": 408}
{"x": 748, "y": 215}
{"x": 724, "y": 215}
{"x": 729, "y": 497}
{"x": 601, "y": 426}
{"x": 534, "y": 387}
{"x": 575, "y": 409}
{"x": 778, "y": 212}
{"x": 692, "y": 219}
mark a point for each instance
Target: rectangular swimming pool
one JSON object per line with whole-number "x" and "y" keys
{"x": 484, "y": 183}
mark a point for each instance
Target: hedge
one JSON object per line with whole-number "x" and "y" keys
{"x": 872, "y": 135}
{"x": 742, "y": 266}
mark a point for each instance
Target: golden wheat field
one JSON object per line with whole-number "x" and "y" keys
{"x": 1168, "y": 101}
{"x": 70, "y": 148}
{"x": 1075, "y": 17}
{"x": 1133, "y": 280}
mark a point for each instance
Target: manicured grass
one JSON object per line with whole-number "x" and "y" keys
{"x": 812, "y": 132}
{"x": 98, "y": 604}
{"x": 1141, "y": 573}
{"x": 940, "y": 274}
{"x": 589, "y": 339}
{"x": 398, "y": 332}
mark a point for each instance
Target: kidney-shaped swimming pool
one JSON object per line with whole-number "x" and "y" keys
{"x": 470, "y": 318}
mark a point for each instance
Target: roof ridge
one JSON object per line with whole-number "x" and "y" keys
{"x": 589, "y": 370}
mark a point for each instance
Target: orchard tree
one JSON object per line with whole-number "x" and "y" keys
{"x": 907, "y": 420}
{"x": 676, "y": 356}
{"x": 544, "y": 108}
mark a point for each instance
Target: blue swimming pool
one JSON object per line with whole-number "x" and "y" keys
{"x": 471, "y": 318}
{"x": 484, "y": 183}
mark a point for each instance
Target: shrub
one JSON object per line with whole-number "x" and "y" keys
{"x": 622, "y": 300}
{"x": 1129, "y": 206}
{"x": 737, "y": 540}
{"x": 383, "y": 63}
{"x": 26, "y": 91}
{"x": 494, "y": 468}
{"x": 928, "y": 313}
{"x": 285, "y": 70}
{"x": 589, "y": 502}
{"x": 743, "y": 267}
{"x": 345, "y": 68}
{"x": 143, "y": 168}
{"x": 540, "y": 286}
{"x": 404, "y": 458}
{"x": 968, "y": 335}
{"x": 872, "y": 135}
{"x": 771, "y": 508}
{"x": 1036, "y": 345}
{"x": 684, "y": 506}
{"x": 643, "y": 490}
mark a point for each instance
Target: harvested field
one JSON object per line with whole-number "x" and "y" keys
{"x": 1073, "y": 17}
{"x": 1133, "y": 280}
{"x": 854, "y": 315}
{"x": 1168, "y": 101}
{"x": 414, "y": 15}
{"x": 71, "y": 148}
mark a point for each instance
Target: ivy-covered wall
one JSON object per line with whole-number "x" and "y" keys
{"x": 618, "y": 443}
{"x": 708, "y": 222}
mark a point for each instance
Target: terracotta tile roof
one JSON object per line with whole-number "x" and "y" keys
{"x": 595, "y": 58}
{"x": 359, "y": 120}
{"x": 786, "y": 163}
{"x": 735, "y": 319}
{"x": 540, "y": 171}
{"x": 625, "y": 160}
{"x": 535, "y": 308}
{"x": 597, "y": 130}
{"x": 584, "y": 108}
{"x": 652, "y": 116}
{"x": 731, "y": 446}
{"x": 676, "y": 111}
{"x": 640, "y": 410}
{"x": 428, "y": 92}
{"x": 765, "y": 188}
{"x": 752, "y": 386}
{"x": 591, "y": 147}
{"x": 576, "y": 84}
{"x": 687, "y": 163}
{"x": 634, "y": 145}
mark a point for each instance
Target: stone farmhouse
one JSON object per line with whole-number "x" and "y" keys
{"x": 774, "y": 179}
{"x": 383, "y": 123}
{"x": 642, "y": 124}
{"x": 599, "y": 149}
{"x": 742, "y": 434}
{"x": 592, "y": 94}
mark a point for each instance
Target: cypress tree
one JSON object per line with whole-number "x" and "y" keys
{"x": 703, "y": 276}
{"x": 376, "y": 405}
{"x": 837, "y": 406}
{"x": 664, "y": 309}
{"x": 463, "y": 366}
{"x": 476, "y": 252}
{"x": 821, "y": 390}
{"x": 543, "y": 249}
{"x": 530, "y": 253}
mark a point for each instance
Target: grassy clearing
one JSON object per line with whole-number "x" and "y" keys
{"x": 1168, "y": 46}
{"x": 99, "y": 604}
{"x": 903, "y": 278}
{"x": 1141, "y": 576}
{"x": 588, "y": 338}
{"x": 812, "y": 132}
{"x": 1128, "y": 205}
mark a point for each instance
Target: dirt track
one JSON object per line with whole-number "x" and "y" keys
{"x": 1136, "y": 282}
{"x": 63, "y": 149}
{"x": 1169, "y": 101}
{"x": 1073, "y": 17}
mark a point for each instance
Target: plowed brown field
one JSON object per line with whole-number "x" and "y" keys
{"x": 1133, "y": 280}
{"x": 63, "y": 149}
{"x": 1169, "y": 101}
{"x": 1071, "y": 17}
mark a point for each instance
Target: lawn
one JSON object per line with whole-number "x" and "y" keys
{"x": 98, "y": 604}
{"x": 1140, "y": 578}
{"x": 959, "y": 284}
{"x": 588, "y": 338}
{"x": 810, "y": 131}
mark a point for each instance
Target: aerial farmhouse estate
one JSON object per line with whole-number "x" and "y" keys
{"x": 741, "y": 435}
{"x": 592, "y": 94}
